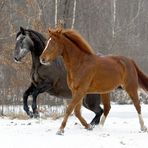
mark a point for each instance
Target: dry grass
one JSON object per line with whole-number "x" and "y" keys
{"x": 55, "y": 116}
{"x": 20, "y": 116}
{"x": 53, "y": 112}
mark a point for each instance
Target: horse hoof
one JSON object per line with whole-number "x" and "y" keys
{"x": 93, "y": 123}
{"x": 90, "y": 127}
{"x": 36, "y": 115}
{"x": 101, "y": 126}
{"x": 144, "y": 129}
{"x": 30, "y": 114}
{"x": 60, "y": 132}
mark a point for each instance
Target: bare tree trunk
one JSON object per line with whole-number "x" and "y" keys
{"x": 56, "y": 12}
{"x": 74, "y": 13}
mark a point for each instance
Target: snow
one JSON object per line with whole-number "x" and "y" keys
{"x": 121, "y": 130}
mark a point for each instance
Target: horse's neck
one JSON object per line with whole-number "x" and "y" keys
{"x": 36, "y": 52}
{"x": 35, "y": 60}
{"x": 72, "y": 55}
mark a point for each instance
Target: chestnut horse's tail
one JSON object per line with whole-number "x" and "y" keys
{"x": 142, "y": 78}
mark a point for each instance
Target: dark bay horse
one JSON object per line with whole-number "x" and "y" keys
{"x": 51, "y": 78}
{"x": 88, "y": 73}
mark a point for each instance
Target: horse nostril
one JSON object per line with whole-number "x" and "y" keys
{"x": 15, "y": 58}
{"x": 43, "y": 60}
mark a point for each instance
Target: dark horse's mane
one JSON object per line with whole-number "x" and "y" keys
{"x": 39, "y": 35}
{"x": 41, "y": 39}
{"x": 78, "y": 40}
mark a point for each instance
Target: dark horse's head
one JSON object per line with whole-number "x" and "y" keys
{"x": 26, "y": 40}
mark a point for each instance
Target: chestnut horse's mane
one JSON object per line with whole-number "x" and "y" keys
{"x": 78, "y": 40}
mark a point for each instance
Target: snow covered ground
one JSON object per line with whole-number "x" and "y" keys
{"x": 121, "y": 130}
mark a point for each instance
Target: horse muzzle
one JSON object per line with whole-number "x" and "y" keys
{"x": 44, "y": 62}
{"x": 17, "y": 60}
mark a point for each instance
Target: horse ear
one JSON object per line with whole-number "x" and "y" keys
{"x": 22, "y": 30}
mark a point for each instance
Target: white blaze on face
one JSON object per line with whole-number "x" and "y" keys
{"x": 19, "y": 37}
{"x": 45, "y": 63}
{"x": 47, "y": 44}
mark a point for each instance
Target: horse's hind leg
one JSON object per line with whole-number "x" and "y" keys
{"x": 106, "y": 103}
{"x": 96, "y": 119}
{"x": 132, "y": 91}
{"x": 92, "y": 102}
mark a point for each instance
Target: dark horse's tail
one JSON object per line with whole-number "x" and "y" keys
{"x": 142, "y": 78}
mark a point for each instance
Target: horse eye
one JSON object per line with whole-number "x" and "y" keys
{"x": 21, "y": 40}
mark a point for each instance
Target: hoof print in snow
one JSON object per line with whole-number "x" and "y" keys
{"x": 121, "y": 142}
{"x": 29, "y": 123}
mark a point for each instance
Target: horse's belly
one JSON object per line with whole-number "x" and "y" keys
{"x": 101, "y": 90}
{"x": 60, "y": 93}
{"x": 103, "y": 86}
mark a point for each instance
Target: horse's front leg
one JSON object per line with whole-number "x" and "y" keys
{"x": 81, "y": 119}
{"x": 39, "y": 89}
{"x": 25, "y": 99}
{"x": 76, "y": 98}
{"x": 34, "y": 104}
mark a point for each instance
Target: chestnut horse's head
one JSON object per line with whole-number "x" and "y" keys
{"x": 53, "y": 48}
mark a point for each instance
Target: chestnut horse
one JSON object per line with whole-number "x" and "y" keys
{"x": 88, "y": 73}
